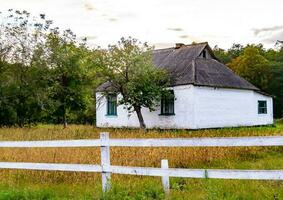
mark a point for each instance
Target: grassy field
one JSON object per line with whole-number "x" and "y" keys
{"x": 25, "y": 184}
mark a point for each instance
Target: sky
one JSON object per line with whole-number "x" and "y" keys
{"x": 163, "y": 23}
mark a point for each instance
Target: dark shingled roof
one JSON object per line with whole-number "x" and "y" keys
{"x": 187, "y": 67}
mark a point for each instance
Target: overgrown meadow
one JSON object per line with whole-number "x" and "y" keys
{"x": 27, "y": 184}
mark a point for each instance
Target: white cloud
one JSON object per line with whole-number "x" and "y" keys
{"x": 219, "y": 22}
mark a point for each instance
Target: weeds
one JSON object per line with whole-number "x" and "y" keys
{"x": 20, "y": 184}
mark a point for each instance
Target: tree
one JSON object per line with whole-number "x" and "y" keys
{"x": 72, "y": 74}
{"x": 45, "y": 74}
{"x": 275, "y": 86}
{"x": 128, "y": 67}
{"x": 222, "y": 55}
{"x": 22, "y": 97}
{"x": 252, "y": 66}
{"x": 235, "y": 51}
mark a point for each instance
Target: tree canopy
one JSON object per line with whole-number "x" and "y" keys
{"x": 46, "y": 74}
{"x": 252, "y": 66}
{"x": 129, "y": 68}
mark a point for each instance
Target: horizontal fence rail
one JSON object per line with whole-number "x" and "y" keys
{"x": 51, "y": 143}
{"x": 51, "y": 166}
{"x": 151, "y": 171}
{"x": 199, "y": 142}
{"x": 200, "y": 173}
{"x": 105, "y": 168}
{"x": 156, "y": 142}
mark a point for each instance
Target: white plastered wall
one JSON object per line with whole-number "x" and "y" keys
{"x": 183, "y": 117}
{"x": 195, "y": 107}
{"x": 219, "y": 107}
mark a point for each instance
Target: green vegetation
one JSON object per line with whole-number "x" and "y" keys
{"x": 130, "y": 71}
{"x": 27, "y": 184}
{"x": 49, "y": 76}
{"x": 252, "y": 66}
{"x": 46, "y": 75}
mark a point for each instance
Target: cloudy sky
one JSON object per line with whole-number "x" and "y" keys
{"x": 164, "y": 22}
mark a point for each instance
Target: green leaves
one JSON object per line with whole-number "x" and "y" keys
{"x": 72, "y": 76}
{"x": 128, "y": 66}
{"x": 45, "y": 75}
{"x": 253, "y": 67}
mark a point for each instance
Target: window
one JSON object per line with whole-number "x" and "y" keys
{"x": 112, "y": 104}
{"x": 262, "y": 107}
{"x": 167, "y": 104}
{"x": 204, "y": 54}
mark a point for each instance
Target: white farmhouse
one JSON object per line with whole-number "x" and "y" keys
{"x": 207, "y": 94}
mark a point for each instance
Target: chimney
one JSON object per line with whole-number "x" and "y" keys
{"x": 179, "y": 45}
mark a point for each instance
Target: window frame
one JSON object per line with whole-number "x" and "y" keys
{"x": 111, "y": 103}
{"x": 167, "y": 106}
{"x": 262, "y": 109}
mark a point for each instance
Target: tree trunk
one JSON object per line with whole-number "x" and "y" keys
{"x": 140, "y": 117}
{"x": 65, "y": 119}
{"x": 65, "y": 123}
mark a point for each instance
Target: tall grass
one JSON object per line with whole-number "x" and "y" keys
{"x": 84, "y": 185}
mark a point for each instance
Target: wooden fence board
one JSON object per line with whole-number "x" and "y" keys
{"x": 105, "y": 168}
{"x": 155, "y": 142}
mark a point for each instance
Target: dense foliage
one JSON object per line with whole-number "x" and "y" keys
{"x": 46, "y": 75}
{"x": 129, "y": 68}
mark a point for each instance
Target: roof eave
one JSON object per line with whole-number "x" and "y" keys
{"x": 217, "y": 86}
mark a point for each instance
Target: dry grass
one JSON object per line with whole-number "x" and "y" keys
{"x": 178, "y": 157}
{"x": 241, "y": 158}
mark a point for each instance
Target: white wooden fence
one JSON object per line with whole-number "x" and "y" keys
{"x": 105, "y": 168}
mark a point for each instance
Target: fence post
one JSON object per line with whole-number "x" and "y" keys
{"x": 165, "y": 178}
{"x": 105, "y": 161}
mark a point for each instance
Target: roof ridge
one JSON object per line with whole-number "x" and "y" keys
{"x": 185, "y": 45}
{"x": 194, "y": 70}
{"x": 194, "y": 44}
